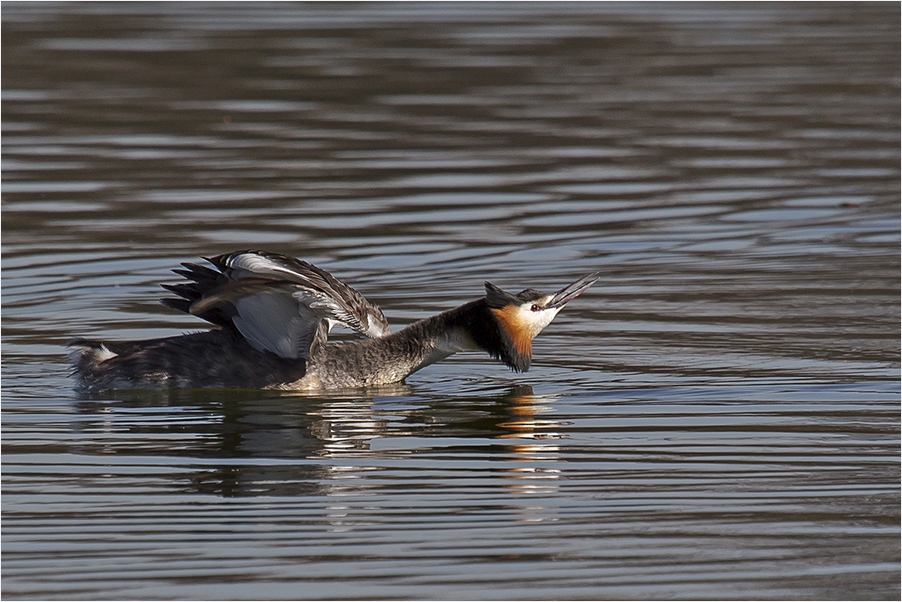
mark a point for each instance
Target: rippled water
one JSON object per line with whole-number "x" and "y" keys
{"x": 717, "y": 418}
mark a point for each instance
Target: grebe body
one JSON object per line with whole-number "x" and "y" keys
{"x": 273, "y": 314}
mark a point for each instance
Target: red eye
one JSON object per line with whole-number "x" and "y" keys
{"x": 535, "y": 308}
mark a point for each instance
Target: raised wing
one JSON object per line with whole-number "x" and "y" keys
{"x": 278, "y": 303}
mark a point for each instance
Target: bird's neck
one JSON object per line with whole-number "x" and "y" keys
{"x": 472, "y": 326}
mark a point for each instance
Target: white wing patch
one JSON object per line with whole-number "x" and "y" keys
{"x": 257, "y": 264}
{"x": 275, "y": 322}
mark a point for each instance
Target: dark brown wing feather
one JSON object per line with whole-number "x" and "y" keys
{"x": 278, "y": 303}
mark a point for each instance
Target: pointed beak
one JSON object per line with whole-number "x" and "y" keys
{"x": 572, "y": 291}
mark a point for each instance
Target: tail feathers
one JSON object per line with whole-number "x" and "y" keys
{"x": 91, "y": 352}
{"x": 86, "y": 356}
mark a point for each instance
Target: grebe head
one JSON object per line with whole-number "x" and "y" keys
{"x": 523, "y": 315}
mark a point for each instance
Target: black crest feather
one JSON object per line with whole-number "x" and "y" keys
{"x": 497, "y": 298}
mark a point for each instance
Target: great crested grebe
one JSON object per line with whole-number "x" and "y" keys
{"x": 274, "y": 314}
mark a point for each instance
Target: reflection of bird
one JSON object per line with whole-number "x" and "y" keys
{"x": 274, "y": 314}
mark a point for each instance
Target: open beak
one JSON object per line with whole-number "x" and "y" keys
{"x": 572, "y": 291}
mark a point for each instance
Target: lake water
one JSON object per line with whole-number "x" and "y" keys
{"x": 717, "y": 418}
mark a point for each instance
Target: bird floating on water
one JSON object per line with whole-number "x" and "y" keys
{"x": 273, "y": 315}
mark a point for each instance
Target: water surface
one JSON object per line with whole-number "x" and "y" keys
{"x": 717, "y": 418}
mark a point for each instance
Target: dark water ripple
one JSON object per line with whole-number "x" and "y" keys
{"x": 718, "y": 418}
